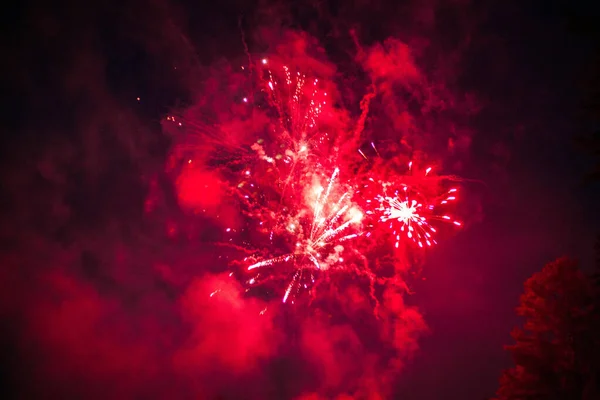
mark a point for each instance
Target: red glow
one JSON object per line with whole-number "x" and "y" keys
{"x": 287, "y": 187}
{"x": 227, "y": 330}
{"x": 199, "y": 189}
{"x": 172, "y": 302}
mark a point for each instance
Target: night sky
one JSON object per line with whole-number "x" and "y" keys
{"x": 101, "y": 298}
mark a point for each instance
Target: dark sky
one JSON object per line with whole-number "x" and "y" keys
{"x": 81, "y": 156}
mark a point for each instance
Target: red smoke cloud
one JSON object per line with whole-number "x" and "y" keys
{"x": 235, "y": 334}
{"x": 345, "y": 358}
{"x": 86, "y": 342}
{"x": 199, "y": 189}
{"x": 140, "y": 320}
{"x": 226, "y": 330}
{"x": 392, "y": 62}
{"x": 420, "y": 107}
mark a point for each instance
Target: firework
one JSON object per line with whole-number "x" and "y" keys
{"x": 409, "y": 213}
{"x": 299, "y": 102}
{"x": 295, "y": 228}
{"x": 281, "y": 189}
{"x": 318, "y": 232}
{"x": 286, "y": 155}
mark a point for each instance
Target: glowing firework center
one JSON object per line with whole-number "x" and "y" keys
{"x": 326, "y": 231}
{"x": 408, "y": 216}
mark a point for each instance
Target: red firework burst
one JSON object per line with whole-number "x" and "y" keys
{"x": 411, "y": 216}
{"x": 318, "y": 233}
{"x": 409, "y": 212}
{"x": 299, "y": 212}
{"x": 283, "y": 189}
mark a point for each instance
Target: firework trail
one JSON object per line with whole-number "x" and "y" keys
{"x": 298, "y": 102}
{"x": 282, "y": 161}
{"x": 280, "y": 188}
{"x": 319, "y": 233}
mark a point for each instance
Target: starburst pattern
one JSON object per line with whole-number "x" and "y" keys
{"x": 319, "y": 241}
{"x": 411, "y": 217}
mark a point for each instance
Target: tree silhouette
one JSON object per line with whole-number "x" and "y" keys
{"x": 554, "y": 349}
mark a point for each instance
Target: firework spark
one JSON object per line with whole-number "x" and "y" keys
{"x": 316, "y": 220}
{"x": 410, "y": 216}
{"x": 319, "y": 231}
{"x": 299, "y": 102}
{"x": 411, "y": 204}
